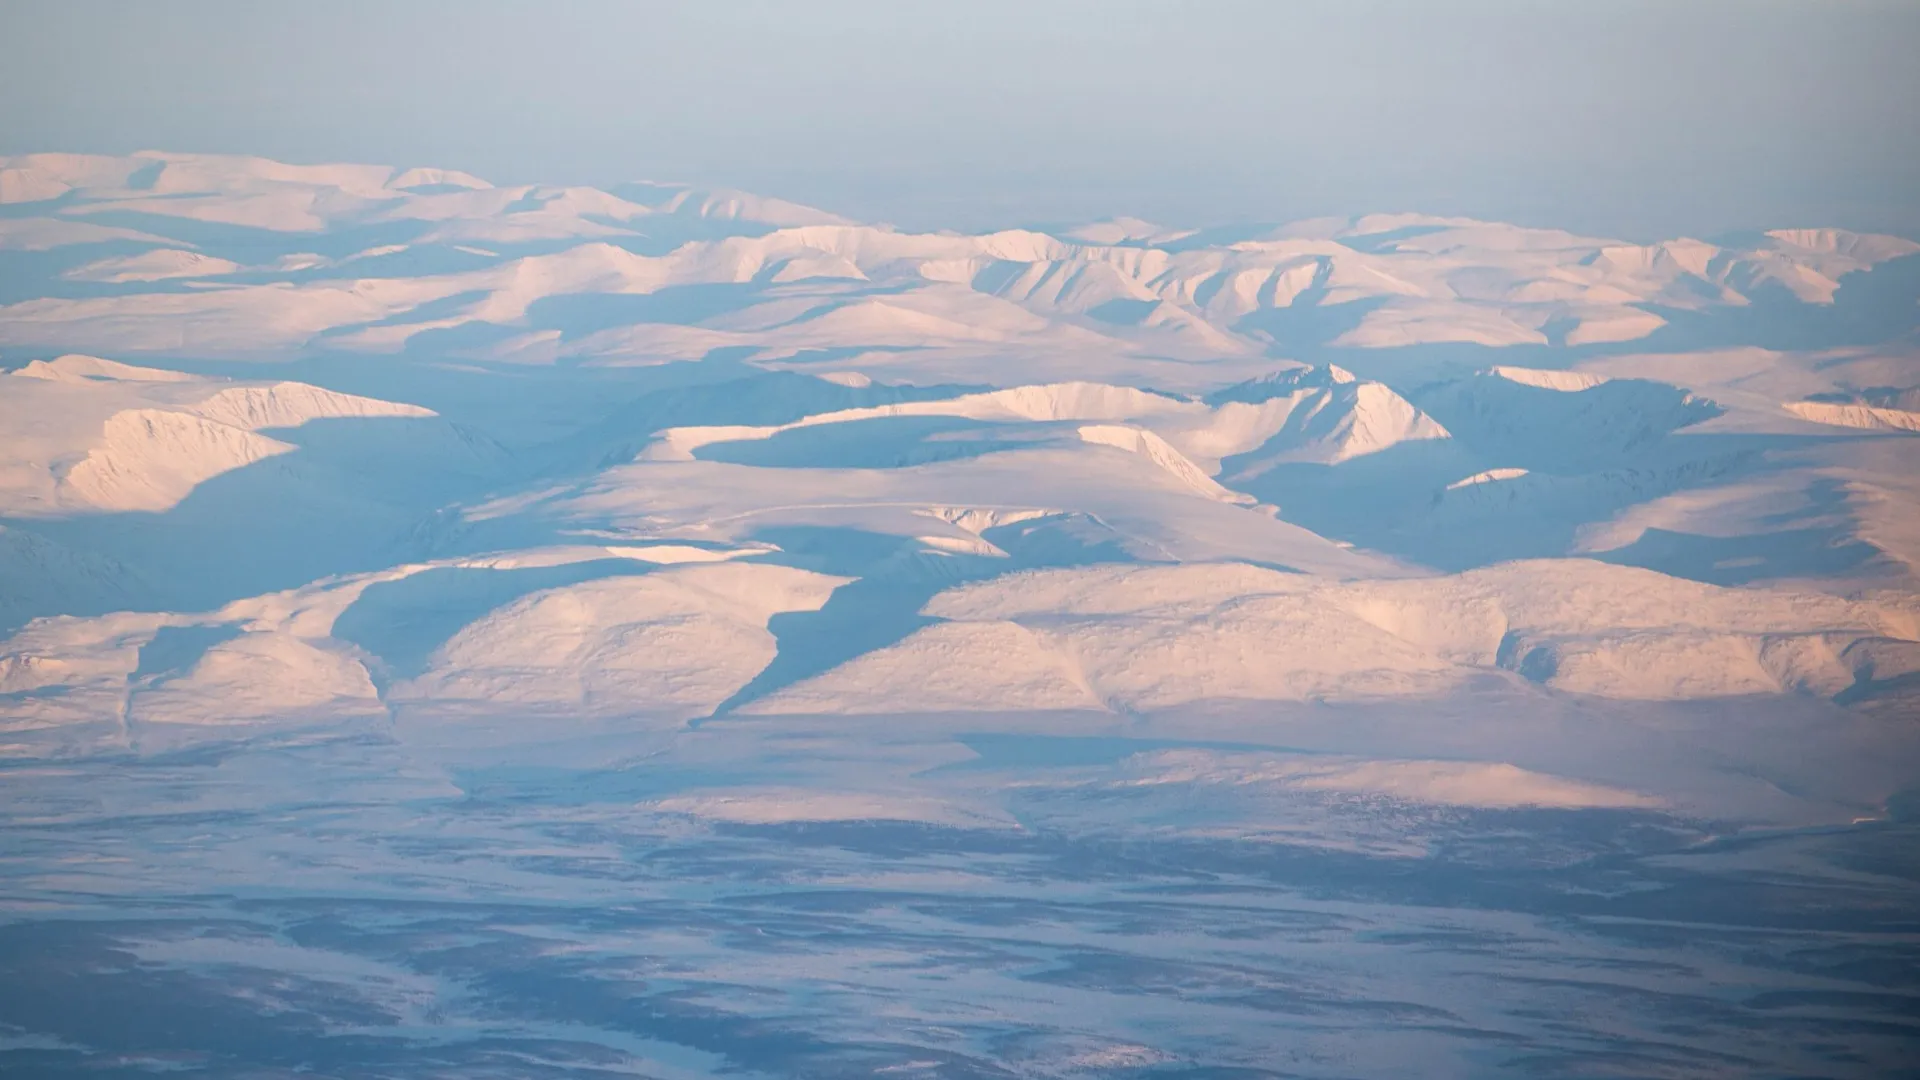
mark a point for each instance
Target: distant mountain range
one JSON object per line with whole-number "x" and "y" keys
{"x": 295, "y": 444}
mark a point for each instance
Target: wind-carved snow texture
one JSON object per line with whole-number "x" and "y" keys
{"x": 453, "y": 630}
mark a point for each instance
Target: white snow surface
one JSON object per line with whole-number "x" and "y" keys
{"x": 788, "y": 597}
{"x": 989, "y": 398}
{"x": 851, "y": 470}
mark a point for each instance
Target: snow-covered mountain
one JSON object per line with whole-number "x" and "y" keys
{"x": 804, "y": 520}
{"x": 314, "y": 377}
{"x": 248, "y": 259}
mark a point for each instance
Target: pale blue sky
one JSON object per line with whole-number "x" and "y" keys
{"x": 1637, "y": 119}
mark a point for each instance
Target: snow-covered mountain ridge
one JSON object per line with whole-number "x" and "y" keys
{"x": 298, "y": 445}
{"x": 212, "y": 248}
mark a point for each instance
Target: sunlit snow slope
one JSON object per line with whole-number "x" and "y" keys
{"x": 319, "y": 444}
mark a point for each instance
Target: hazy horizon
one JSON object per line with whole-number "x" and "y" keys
{"x": 1640, "y": 121}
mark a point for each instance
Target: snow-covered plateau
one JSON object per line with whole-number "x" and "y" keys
{"x": 458, "y": 630}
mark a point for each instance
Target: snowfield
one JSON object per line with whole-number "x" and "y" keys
{"x": 449, "y": 629}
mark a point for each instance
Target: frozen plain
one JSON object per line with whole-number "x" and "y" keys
{"x": 453, "y": 630}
